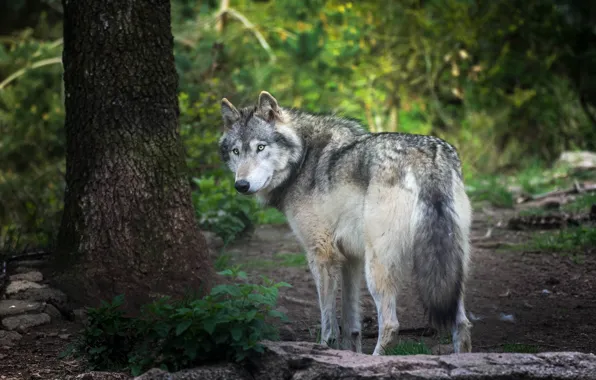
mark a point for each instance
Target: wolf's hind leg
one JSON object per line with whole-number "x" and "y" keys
{"x": 351, "y": 275}
{"x": 325, "y": 272}
{"x": 383, "y": 289}
{"x": 462, "y": 338}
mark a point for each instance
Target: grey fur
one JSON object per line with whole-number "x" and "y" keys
{"x": 308, "y": 158}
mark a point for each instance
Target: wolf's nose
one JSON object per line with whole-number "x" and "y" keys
{"x": 242, "y": 186}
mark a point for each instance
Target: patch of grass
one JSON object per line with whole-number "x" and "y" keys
{"x": 568, "y": 239}
{"x": 537, "y": 179}
{"x": 521, "y": 348}
{"x": 534, "y": 179}
{"x": 407, "y": 347}
{"x": 270, "y": 216}
{"x": 580, "y": 204}
{"x": 570, "y": 242}
{"x": 279, "y": 260}
{"x": 489, "y": 189}
{"x": 293, "y": 259}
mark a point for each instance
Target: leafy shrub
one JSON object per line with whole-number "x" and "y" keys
{"x": 227, "y": 324}
{"x": 109, "y": 337}
{"x": 222, "y": 210}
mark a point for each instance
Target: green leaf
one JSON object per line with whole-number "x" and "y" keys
{"x": 209, "y": 326}
{"x": 162, "y": 329}
{"x": 236, "y": 333}
{"x": 182, "y": 327}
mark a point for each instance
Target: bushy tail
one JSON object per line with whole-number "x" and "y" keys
{"x": 439, "y": 256}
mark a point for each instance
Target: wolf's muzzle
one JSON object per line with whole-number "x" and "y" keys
{"x": 242, "y": 186}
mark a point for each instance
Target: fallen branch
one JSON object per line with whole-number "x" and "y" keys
{"x": 493, "y": 244}
{"x": 297, "y": 301}
{"x": 575, "y": 189}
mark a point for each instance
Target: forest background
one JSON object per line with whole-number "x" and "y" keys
{"x": 511, "y": 84}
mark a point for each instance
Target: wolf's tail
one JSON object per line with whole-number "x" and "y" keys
{"x": 440, "y": 254}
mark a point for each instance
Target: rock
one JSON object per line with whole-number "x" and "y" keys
{"x": 442, "y": 349}
{"x": 24, "y": 322}
{"x": 306, "y": 361}
{"x": 15, "y": 307}
{"x": 213, "y": 241}
{"x": 49, "y": 295}
{"x": 9, "y": 338}
{"x": 99, "y": 376}
{"x": 80, "y": 315}
{"x": 577, "y": 160}
{"x": 18, "y": 286}
{"x": 33, "y": 263}
{"x": 52, "y": 312}
{"x": 23, "y": 269}
{"x": 212, "y": 372}
{"x": 33, "y": 276}
{"x": 64, "y": 336}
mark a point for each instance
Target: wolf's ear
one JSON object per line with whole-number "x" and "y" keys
{"x": 229, "y": 113}
{"x": 268, "y": 107}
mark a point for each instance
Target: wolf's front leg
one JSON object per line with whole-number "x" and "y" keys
{"x": 325, "y": 273}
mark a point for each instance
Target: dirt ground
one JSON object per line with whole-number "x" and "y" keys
{"x": 525, "y": 300}
{"x": 543, "y": 301}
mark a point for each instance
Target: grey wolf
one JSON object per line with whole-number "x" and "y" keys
{"x": 386, "y": 205}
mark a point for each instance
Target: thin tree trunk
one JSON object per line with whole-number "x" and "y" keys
{"x": 223, "y": 16}
{"x": 128, "y": 224}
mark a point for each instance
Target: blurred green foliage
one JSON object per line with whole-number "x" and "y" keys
{"x": 509, "y": 83}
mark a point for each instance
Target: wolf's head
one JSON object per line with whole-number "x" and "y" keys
{"x": 258, "y": 144}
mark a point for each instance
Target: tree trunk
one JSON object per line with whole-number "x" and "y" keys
{"x": 128, "y": 224}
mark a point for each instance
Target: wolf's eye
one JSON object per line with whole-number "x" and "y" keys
{"x": 260, "y": 147}
{"x": 235, "y": 151}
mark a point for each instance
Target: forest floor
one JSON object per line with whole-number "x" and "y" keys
{"x": 528, "y": 291}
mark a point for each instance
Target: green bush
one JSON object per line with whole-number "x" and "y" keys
{"x": 227, "y": 324}
{"x": 220, "y": 209}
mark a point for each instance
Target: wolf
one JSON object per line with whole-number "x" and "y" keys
{"x": 390, "y": 206}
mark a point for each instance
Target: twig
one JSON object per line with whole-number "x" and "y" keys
{"x": 297, "y": 300}
{"x": 492, "y": 244}
{"x": 35, "y": 65}
{"x": 486, "y": 236}
{"x": 249, "y": 25}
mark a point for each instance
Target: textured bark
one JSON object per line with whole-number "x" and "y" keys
{"x": 128, "y": 224}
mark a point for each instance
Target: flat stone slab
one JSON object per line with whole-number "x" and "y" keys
{"x": 45, "y": 294}
{"x": 15, "y": 307}
{"x": 32, "y": 263}
{"x": 96, "y": 375}
{"x": 24, "y": 322}
{"x": 51, "y": 310}
{"x": 9, "y": 338}
{"x": 23, "y": 269}
{"x": 18, "y": 286}
{"x": 33, "y": 276}
{"x": 307, "y": 361}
